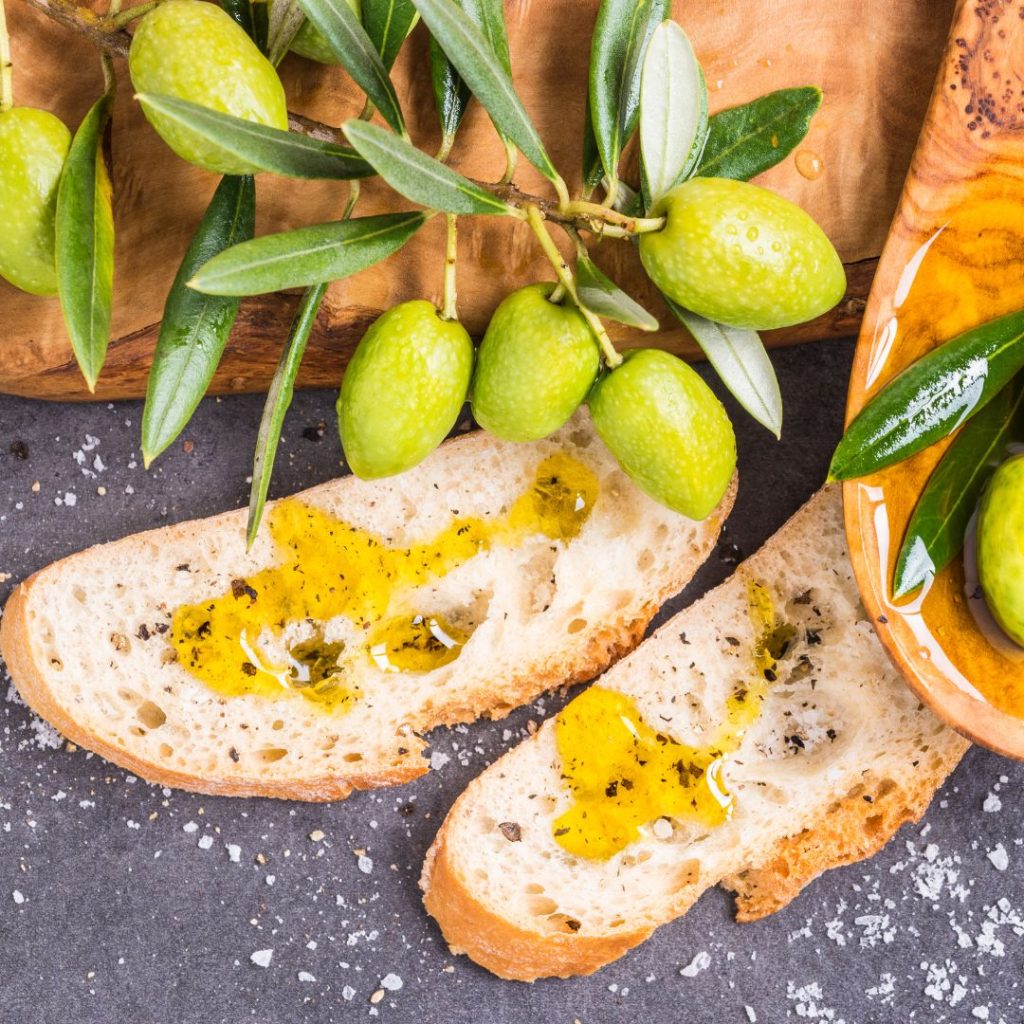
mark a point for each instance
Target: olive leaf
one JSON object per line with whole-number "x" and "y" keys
{"x": 288, "y": 154}
{"x": 279, "y": 398}
{"x": 357, "y": 54}
{"x": 673, "y": 110}
{"x": 451, "y": 97}
{"x": 195, "y": 327}
{"x": 745, "y": 141}
{"x": 621, "y": 34}
{"x": 603, "y": 296}
{"x": 388, "y": 23}
{"x": 251, "y": 17}
{"x": 739, "y": 358}
{"x": 417, "y": 176}
{"x": 285, "y": 18}
{"x": 935, "y": 534}
{"x": 306, "y": 256}
{"x": 451, "y": 93}
{"x": 472, "y": 54}
{"x": 85, "y": 238}
{"x": 932, "y": 398}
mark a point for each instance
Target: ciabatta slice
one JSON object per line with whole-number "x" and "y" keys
{"x": 839, "y": 757}
{"x": 87, "y": 640}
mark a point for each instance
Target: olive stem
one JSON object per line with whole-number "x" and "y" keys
{"x": 558, "y": 294}
{"x": 566, "y": 280}
{"x": 6, "y": 65}
{"x": 511, "y": 158}
{"x": 113, "y": 10}
{"x": 119, "y": 19}
{"x": 634, "y": 225}
{"x": 451, "y": 252}
{"x": 353, "y": 198}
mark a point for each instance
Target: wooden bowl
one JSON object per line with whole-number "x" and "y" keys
{"x": 954, "y": 258}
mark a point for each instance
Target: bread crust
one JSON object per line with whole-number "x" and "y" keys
{"x": 856, "y": 828}
{"x": 512, "y": 953}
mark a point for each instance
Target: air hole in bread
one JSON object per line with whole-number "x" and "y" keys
{"x": 329, "y": 743}
{"x": 538, "y": 570}
{"x": 563, "y": 923}
{"x": 78, "y": 593}
{"x": 873, "y": 825}
{"x": 688, "y": 872}
{"x": 166, "y": 750}
{"x": 581, "y": 438}
{"x": 646, "y": 560}
{"x": 534, "y": 887}
{"x": 277, "y": 724}
{"x": 541, "y": 906}
{"x": 128, "y": 696}
{"x": 151, "y": 715}
{"x": 137, "y": 730}
{"x": 353, "y": 757}
{"x": 56, "y": 664}
{"x": 576, "y": 626}
{"x": 271, "y": 754}
{"x": 885, "y": 788}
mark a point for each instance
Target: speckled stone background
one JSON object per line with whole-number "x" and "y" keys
{"x": 123, "y": 903}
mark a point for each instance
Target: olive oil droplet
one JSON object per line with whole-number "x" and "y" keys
{"x": 809, "y": 164}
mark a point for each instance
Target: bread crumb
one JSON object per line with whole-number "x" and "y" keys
{"x": 377, "y": 996}
{"x": 316, "y": 835}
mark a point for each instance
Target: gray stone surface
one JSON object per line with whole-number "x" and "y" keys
{"x": 121, "y": 903}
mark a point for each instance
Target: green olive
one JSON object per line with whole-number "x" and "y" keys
{"x": 309, "y": 41}
{"x": 33, "y": 147}
{"x": 194, "y": 51}
{"x": 1001, "y": 547}
{"x": 667, "y": 429}
{"x": 535, "y": 366}
{"x": 741, "y": 255}
{"x": 403, "y": 390}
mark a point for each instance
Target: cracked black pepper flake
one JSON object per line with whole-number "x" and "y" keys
{"x": 248, "y": 668}
{"x": 511, "y": 831}
{"x": 19, "y": 450}
{"x": 143, "y": 632}
{"x": 233, "y": 754}
{"x": 240, "y": 588}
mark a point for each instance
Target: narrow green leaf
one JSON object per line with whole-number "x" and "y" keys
{"x": 388, "y": 23}
{"x": 357, "y": 54}
{"x": 673, "y": 110}
{"x": 243, "y": 12}
{"x": 306, "y": 256}
{"x": 288, "y": 154}
{"x": 417, "y": 176}
{"x": 279, "y": 398}
{"x": 451, "y": 93}
{"x": 745, "y": 141}
{"x": 471, "y": 52}
{"x": 195, "y": 327}
{"x": 285, "y": 18}
{"x": 935, "y": 534}
{"x": 740, "y": 360}
{"x": 931, "y": 398}
{"x": 85, "y": 240}
{"x": 621, "y": 34}
{"x": 603, "y": 296}
{"x": 451, "y": 96}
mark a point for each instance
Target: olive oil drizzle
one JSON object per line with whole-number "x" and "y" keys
{"x": 624, "y": 774}
{"x": 329, "y": 568}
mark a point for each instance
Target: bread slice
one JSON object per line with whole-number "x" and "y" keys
{"x": 88, "y": 640}
{"x": 840, "y": 755}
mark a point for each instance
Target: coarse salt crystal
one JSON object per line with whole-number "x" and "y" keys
{"x": 701, "y": 962}
{"x": 999, "y": 857}
{"x": 262, "y": 957}
{"x": 391, "y": 982}
{"x": 365, "y": 864}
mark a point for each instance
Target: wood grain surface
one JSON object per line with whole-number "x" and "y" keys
{"x": 874, "y": 59}
{"x": 953, "y": 259}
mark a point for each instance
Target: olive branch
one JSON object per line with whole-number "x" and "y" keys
{"x": 644, "y": 80}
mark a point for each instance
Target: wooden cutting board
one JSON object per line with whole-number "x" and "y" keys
{"x": 875, "y": 60}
